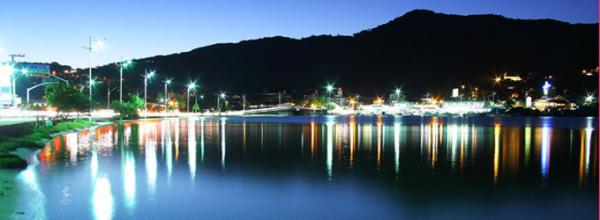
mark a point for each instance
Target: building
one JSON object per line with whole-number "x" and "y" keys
{"x": 553, "y": 103}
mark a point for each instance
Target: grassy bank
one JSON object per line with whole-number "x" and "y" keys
{"x": 34, "y": 138}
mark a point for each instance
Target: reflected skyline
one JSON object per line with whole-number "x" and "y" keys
{"x": 153, "y": 155}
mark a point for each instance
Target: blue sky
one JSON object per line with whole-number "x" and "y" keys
{"x": 56, "y": 30}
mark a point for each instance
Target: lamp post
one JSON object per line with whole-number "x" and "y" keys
{"x": 96, "y": 46}
{"x": 13, "y": 79}
{"x": 398, "y": 91}
{"x": 189, "y": 88}
{"x": 221, "y": 96}
{"x": 121, "y": 66}
{"x": 167, "y": 82}
{"x": 108, "y": 92}
{"x": 147, "y": 76}
{"x": 329, "y": 89}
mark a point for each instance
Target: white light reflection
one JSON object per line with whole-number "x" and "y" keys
{"x": 94, "y": 164}
{"x": 129, "y": 184}
{"x": 202, "y": 140}
{"x": 329, "y": 162}
{"x": 192, "y": 147}
{"x": 545, "y": 155}
{"x": 168, "y": 152}
{"x": 102, "y": 199}
{"x": 72, "y": 146}
{"x": 150, "y": 152}
{"x": 453, "y": 135}
{"x": 397, "y": 128}
{"x": 35, "y": 198}
{"x": 223, "y": 149}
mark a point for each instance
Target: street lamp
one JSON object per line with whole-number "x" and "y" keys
{"x": 398, "y": 91}
{"x": 221, "y": 96}
{"x": 147, "y": 76}
{"x": 190, "y": 87}
{"x": 329, "y": 89}
{"x": 121, "y": 66}
{"x": 167, "y": 82}
{"x": 97, "y": 45}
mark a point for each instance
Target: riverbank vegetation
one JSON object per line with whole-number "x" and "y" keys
{"x": 34, "y": 138}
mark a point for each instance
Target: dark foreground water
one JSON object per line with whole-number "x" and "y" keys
{"x": 319, "y": 168}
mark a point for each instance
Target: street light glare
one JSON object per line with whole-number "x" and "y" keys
{"x": 222, "y": 95}
{"x": 329, "y": 88}
{"x": 99, "y": 45}
{"x": 151, "y": 74}
{"x": 192, "y": 85}
{"x": 589, "y": 98}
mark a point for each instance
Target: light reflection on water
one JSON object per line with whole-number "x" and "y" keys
{"x": 242, "y": 159}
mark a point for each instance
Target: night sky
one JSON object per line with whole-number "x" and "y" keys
{"x": 56, "y": 30}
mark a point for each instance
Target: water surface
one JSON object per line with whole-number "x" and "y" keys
{"x": 319, "y": 167}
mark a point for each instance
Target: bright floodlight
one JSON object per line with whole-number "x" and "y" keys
{"x": 329, "y": 88}
{"x": 24, "y": 71}
{"x": 222, "y": 95}
{"x": 127, "y": 63}
{"x": 99, "y": 45}
{"x": 168, "y": 81}
{"x": 192, "y": 85}
{"x": 151, "y": 74}
{"x": 589, "y": 98}
{"x": 398, "y": 91}
{"x": 546, "y": 87}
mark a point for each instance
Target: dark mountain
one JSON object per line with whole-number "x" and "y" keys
{"x": 420, "y": 51}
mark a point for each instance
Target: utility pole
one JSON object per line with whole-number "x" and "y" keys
{"x": 279, "y": 97}
{"x": 109, "y": 91}
{"x": 13, "y": 93}
{"x": 244, "y": 102}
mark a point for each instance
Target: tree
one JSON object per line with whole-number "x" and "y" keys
{"x": 66, "y": 99}
{"x": 196, "y": 107}
{"x": 129, "y": 108}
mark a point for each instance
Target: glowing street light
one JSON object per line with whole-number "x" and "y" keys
{"x": 167, "y": 82}
{"x": 121, "y": 66}
{"x": 221, "y": 96}
{"x": 589, "y": 98}
{"x": 147, "y": 76}
{"x": 190, "y": 87}
{"x": 546, "y": 87}
{"x": 329, "y": 88}
{"x": 398, "y": 92}
{"x": 497, "y": 79}
{"x": 97, "y": 45}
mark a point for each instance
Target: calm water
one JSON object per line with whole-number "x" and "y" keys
{"x": 323, "y": 167}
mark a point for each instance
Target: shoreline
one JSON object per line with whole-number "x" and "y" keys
{"x": 16, "y": 152}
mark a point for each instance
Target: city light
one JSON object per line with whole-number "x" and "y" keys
{"x": 497, "y": 79}
{"x": 150, "y": 74}
{"x": 546, "y": 87}
{"x": 222, "y": 95}
{"x": 329, "y": 88}
{"x": 190, "y": 87}
{"x": 99, "y": 44}
{"x": 589, "y": 98}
